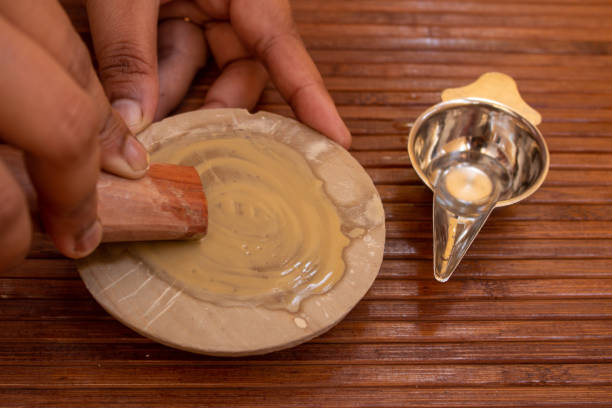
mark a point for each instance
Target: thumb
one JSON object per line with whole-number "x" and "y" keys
{"x": 125, "y": 41}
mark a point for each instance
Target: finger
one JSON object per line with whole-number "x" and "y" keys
{"x": 242, "y": 78}
{"x": 15, "y": 225}
{"x": 267, "y": 28}
{"x": 239, "y": 86}
{"x": 50, "y": 27}
{"x": 58, "y": 130}
{"x": 181, "y": 49}
{"x": 124, "y": 36}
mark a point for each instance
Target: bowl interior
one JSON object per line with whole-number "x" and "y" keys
{"x": 480, "y": 131}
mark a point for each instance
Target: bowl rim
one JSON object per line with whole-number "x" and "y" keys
{"x": 454, "y": 103}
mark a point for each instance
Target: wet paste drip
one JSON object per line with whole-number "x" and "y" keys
{"x": 274, "y": 237}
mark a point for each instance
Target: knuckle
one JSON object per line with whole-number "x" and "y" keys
{"x": 113, "y": 132}
{"x": 296, "y": 93}
{"x": 124, "y": 59}
{"x": 79, "y": 66}
{"x": 265, "y": 45}
{"x": 77, "y": 131}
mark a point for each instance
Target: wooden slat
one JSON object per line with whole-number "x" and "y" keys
{"x": 456, "y": 58}
{"x": 551, "y": 46}
{"x": 416, "y": 31}
{"x": 186, "y": 376}
{"x": 147, "y": 353}
{"x": 43, "y": 268}
{"x": 469, "y": 72}
{"x": 450, "y": 310}
{"x": 382, "y": 289}
{"x": 442, "y": 19}
{"x": 43, "y": 288}
{"x": 376, "y": 397}
{"x": 499, "y": 330}
{"x": 48, "y": 308}
{"x": 377, "y": 306}
{"x": 455, "y": 7}
{"x": 84, "y": 331}
{"x": 491, "y": 289}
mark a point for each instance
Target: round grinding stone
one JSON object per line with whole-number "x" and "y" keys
{"x": 163, "y": 310}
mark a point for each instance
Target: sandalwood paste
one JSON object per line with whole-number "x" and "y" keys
{"x": 274, "y": 237}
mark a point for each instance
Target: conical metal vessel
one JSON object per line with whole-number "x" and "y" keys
{"x": 475, "y": 154}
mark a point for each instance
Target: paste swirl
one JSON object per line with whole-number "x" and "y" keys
{"x": 274, "y": 236}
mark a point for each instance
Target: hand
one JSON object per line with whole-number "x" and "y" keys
{"x": 148, "y": 56}
{"x": 53, "y": 108}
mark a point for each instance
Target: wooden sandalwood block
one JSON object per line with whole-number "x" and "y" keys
{"x": 166, "y": 204}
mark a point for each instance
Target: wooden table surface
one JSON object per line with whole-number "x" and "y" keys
{"x": 526, "y": 320}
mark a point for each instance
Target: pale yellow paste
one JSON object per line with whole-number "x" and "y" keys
{"x": 274, "y": 237}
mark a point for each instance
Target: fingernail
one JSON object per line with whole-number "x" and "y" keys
{"x": 88, "y": 240}
{"x": 130, "y": 112}
{"x": 135, "y": 154}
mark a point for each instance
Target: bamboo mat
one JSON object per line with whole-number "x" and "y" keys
{"x": 525, "y": 321}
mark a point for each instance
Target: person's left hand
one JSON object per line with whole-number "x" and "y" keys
{"x": 148, "y": 54}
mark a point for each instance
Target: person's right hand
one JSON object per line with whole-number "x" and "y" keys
{"x": 53, "y": 107}
{"x": 150, "y": 50}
